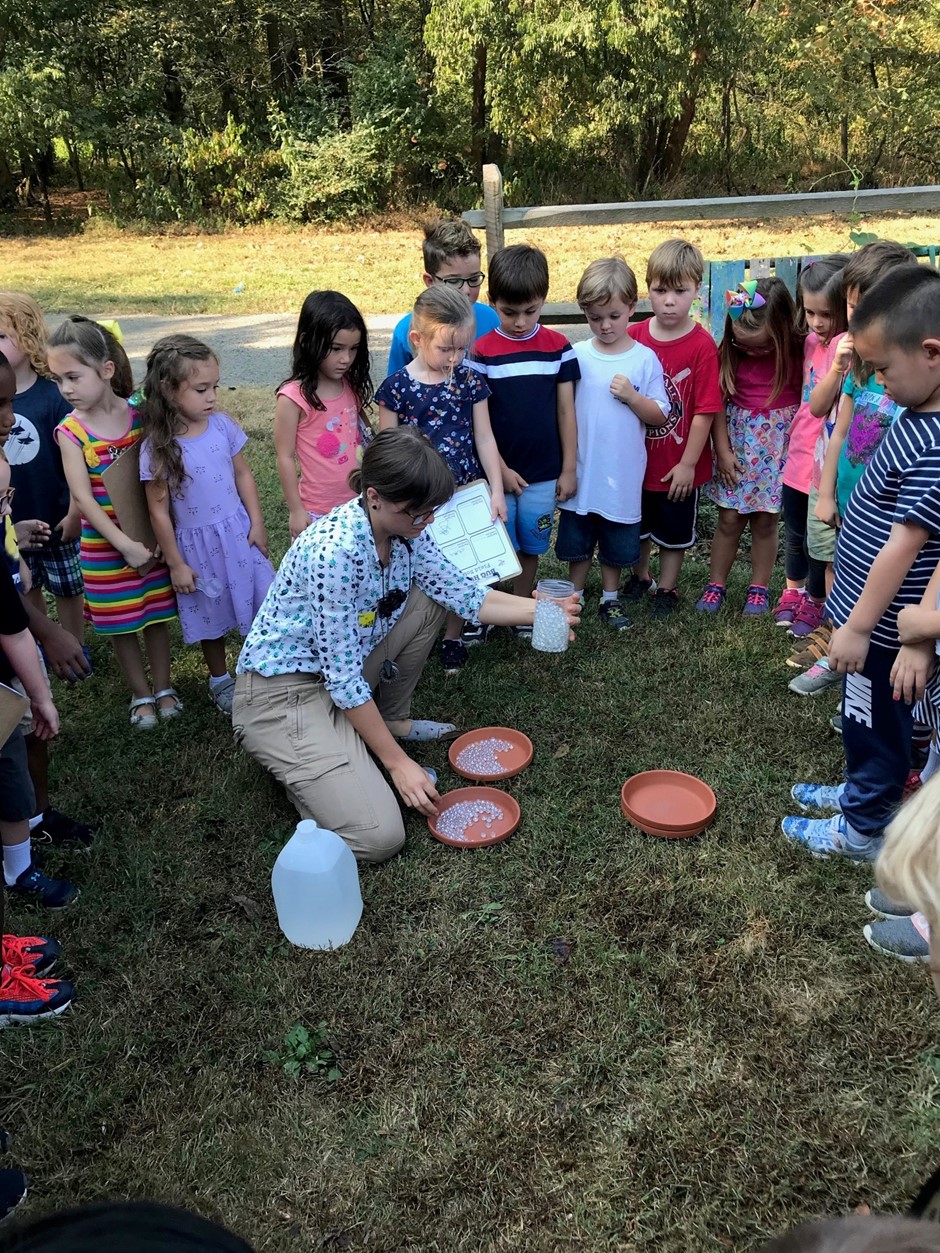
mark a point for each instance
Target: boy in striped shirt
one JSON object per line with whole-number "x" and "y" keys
{"x": 888, "y": 548}
{"x": 531, "y": 372}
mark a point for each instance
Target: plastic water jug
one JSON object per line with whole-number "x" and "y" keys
{"x": 315, "y": 883}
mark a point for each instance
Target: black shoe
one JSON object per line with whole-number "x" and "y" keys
{"x": 635, "y": 589}
{"x": 611, "y": 612}
{"x": 454, "y": 656}
{"x": 664, "y": 602}
{"x": 13, "y": 1188}
{"x": 471, "y": 635}
{"x": 34, "y": 885}
{"x": 58, "y": 829}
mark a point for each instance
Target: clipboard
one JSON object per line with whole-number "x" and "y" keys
{"x": 129, "y": 499}
{"x": 13, "y": 705}
{"x": 466, "y": 534}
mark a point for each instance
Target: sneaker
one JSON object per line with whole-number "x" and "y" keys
{"x": 756, "y": 602}
{"x": 473, "y": 634}
{"x": 826, "y": 837}
{"x": 13, "y": 1188}
{"x": 612, "y": 613}
{"x": 222, "y": 695}
{"x": 665, "y": 602}
{"x": 454, "y": 656}
{"x": 818, "y": 796}
{"x": 818, "y": 678}
{"x": 53, "y": 893}
{"x": 836, "y": 723}
{"x": 24, "y": 1000}
{"x": 711, "y": 599}
{"x": 815, "y": 647}
{"x": 810, "y": 616}
{"x": 58, "y": 829}
{"x": 788, "y": 606}
{"x": 522, "y": 632}
{"x": 884, "y": 906}
{"x": 635, "y": 589}
{"x": 34, "y": 955}
{"x": 903, "y": 938}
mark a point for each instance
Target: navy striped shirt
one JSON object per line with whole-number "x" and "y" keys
{"x": 901, "y": 484}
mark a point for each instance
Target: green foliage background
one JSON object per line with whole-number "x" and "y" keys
{"x": 339, "y": 108}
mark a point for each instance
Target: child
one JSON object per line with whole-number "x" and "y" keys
{"x": 821, "y": 303}
{"x": 203, "y": 503}
{"x": 531, "y": 372}
{"x": 620, "y": 393}
{"x": 678, "y": 453}
{"x": 94, "y": 376}
{"x": 452, "y": 257}
{"x": 38, "y": 477}
{"x": 760, "y": 359}
{"x": 317, "y": 419}
{"x": 889, "y": 547}
{"x": 446, "y": 400}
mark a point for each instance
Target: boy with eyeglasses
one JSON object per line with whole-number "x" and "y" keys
{"x": 451, "y": 256}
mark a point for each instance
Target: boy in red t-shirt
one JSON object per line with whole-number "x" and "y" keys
{"x": 679, "y": 456}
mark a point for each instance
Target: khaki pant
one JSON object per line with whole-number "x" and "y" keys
{"x": 291, "y": 727}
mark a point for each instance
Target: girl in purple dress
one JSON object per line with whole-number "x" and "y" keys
{"x": 203, "y": 503}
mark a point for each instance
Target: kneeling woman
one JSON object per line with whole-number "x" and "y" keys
{"x": 325, "y": 679}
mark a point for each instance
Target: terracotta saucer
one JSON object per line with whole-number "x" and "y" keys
{"x": 478, "y": 834}
{"x": 668, "y": 803}
{"x": 512, "y": 760}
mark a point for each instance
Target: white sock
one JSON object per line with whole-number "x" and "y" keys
{"x": 16, "y": 859}
{"x": 36, "y": 820}
{"x": 607, "y": 597}
{"x": 216, "y": 679}
{"x": 933, "y": 764}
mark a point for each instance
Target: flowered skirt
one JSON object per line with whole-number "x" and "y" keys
{"x": 759, "y": 441}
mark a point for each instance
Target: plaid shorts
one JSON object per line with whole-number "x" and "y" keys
{"x": 57, "y": 567}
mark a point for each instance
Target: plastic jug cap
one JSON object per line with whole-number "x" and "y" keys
{"x": 306, "y": 826}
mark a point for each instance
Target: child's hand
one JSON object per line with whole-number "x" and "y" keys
{"x": 64, "y": 654}
{"x": 848, "y": 650}
{"x": 680, "y": 478}
{"x": 32, "y": 534}
{"x": 183, "y": 578}
{"x": 135, "y": 554}
{"x": 499, "y": 506}
{"x": 843, "y": 358}
{"x": 513, "y": 483}
{"x": 916, "y": 624}
{"x": 45, "y": 717}
{"x": 912, "y": 668}
{"x": 729, "y": 469}
{"x": 567, "y": 485}
{"x": 622, "y": 388}
{"x": 258, "y": 537}
{"x": 827, "y": 511}
{"x": 70, "y": 527}
{"x": 299, "y": 521}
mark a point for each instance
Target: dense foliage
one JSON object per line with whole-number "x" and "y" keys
{"x": 245, "y": 111}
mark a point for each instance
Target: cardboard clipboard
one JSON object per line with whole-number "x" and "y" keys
{"x": 129, "y": 499}
{"x": 13, "y": 705}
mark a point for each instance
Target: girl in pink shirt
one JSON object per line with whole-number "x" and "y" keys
{"x": 821, "y": 303}
{"x": 318, "y": 420}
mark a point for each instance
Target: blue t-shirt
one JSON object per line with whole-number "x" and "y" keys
{"x": 400, "y": 354}
{"x": 441, "y": 411}
{"x": 901, "y": 484}
{"x": 873, "y": 413}
{"x": 34, "y": 456}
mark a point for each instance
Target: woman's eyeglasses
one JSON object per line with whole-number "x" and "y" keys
{"x": 418, "y": 519}
{"x": 454, "y": 280}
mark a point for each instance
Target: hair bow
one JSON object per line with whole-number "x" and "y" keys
{"x": 114, "y": 327}
{"x": 746, "y": 297}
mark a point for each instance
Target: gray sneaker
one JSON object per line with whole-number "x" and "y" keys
{"x": 884, "y": 906}
{"x": 897, "y": 937}
{"x": 818, "y": 678}
{"x": 223, "y": 695}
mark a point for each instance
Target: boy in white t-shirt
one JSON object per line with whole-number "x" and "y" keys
{"x": 620, "y": 393}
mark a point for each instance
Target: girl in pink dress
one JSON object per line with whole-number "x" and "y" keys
{"x": 318, "y": 421}
{"x": 203, "y": 503}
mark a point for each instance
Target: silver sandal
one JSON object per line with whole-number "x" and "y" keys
{"x": 174, "y": 710}
{"x": 140, "y": 721}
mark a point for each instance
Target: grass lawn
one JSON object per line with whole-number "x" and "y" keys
{"x": 106, "y": 270}
{"x": 581, "y": 1039}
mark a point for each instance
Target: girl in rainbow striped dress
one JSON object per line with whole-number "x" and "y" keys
{"x": 94, "y": 375}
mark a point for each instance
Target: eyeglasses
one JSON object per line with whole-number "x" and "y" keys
{"x": 418, "y": 519}
{"x": 6, "y": 498}
{"x": 454, "y": 280}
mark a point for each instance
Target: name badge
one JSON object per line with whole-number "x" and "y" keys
{"x": 367, "y": 619}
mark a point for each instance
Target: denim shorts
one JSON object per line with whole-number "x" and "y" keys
{"x": 529, "y": 517}
{"x": 617, "y": 543}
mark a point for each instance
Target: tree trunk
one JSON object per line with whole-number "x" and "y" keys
{"x": 173, "y": 100}
{"x": 478, "y": 137}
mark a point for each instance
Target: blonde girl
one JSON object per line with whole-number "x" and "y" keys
{"x": 125, "y": 604}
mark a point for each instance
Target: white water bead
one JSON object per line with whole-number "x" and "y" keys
{"x": 550, "y": 628}
{"x": 479, "y": 758}
{"x": 455, "y": 822}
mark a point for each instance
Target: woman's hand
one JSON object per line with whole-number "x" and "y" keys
{"x": 572, "y": 607}
{"x": 298, "y": 522}
{"x": 414, "y": 786}
{"x": 183, "y": 578}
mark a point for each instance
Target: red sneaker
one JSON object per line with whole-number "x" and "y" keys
{"x": 26, "y": 1000}
{"x": 788, "y": 606}
{"x": 34, "y": 955}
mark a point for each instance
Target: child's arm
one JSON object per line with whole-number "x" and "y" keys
{"x": 849, "y": 645}
{"x": 23, "y": 656}
{"x": 70, "y": 527}
{"x": 823, "y": 395}
{"x": 682, "y": 475}
{"x": 76, "y": 474}
{"x": 827, "y": 509}
{"x": 388, "y": 419}
{"x": 918, "y": 631}
{"x": 182, "y": 576}
{"x": 648, "y": 411}
{"x": 727, "y": 467}
{"x": 248, "y": 491}
{"x": 567, "y": 483}
{"x": 287, "y": 418}
{"x": 489, "y": 456}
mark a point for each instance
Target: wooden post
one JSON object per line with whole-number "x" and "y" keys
{"x": 493, "y": 209}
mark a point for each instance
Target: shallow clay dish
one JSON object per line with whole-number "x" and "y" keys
{"x": 668, "y": 803}
{"x": 478, "y": 835}
{"x": 514, "y": 760}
